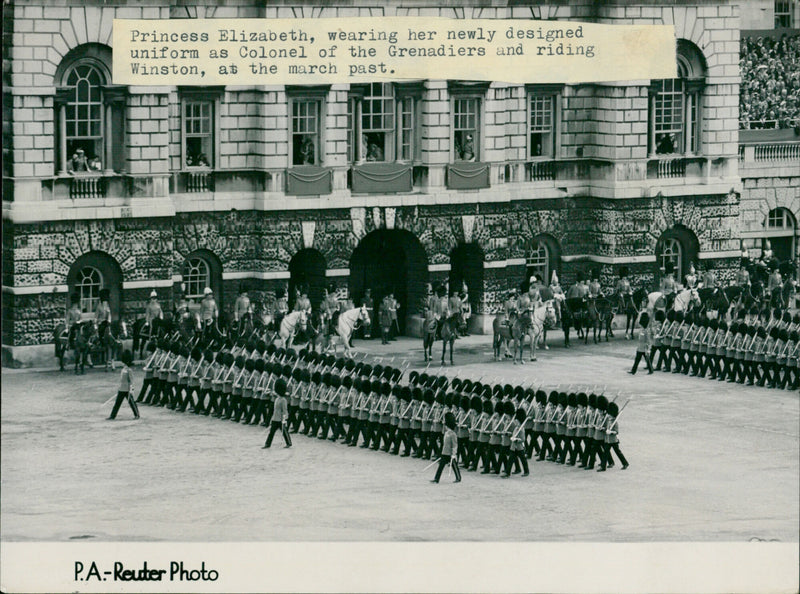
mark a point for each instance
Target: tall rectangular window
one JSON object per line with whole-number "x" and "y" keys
{"x": 541, "y": 126}
{"x": 84, "y": 118}
{"x": 198, "y": 138}
{"x": 377, "y": 123}
{"x": 783, "y": 14}
{"x": 466, "y": 128}
{"x": 305, "y": 132}
{"x": 669, "y": 117}
{"x": 407, "y": 129}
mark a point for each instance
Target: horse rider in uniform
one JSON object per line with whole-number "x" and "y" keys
{"x": 102, "y": 313}
{"x": 595, "y": 289}
{"x": 558, "y": 295}
{"x": 576, "y": 291}
{"x": 208, "y": 308}
{"x": 330, "y": 306}
{"x": 441, "y": 308}
{"x": 742, "y": 275}
{"x": 510, "y": 306}
{"x": 691, "y": 278}
{"x": 181, "y": 305}
{"x": 303, "y": 303}
{"x": 153, "y": 310}
{"x": 775, "y": 280}
{"x": 466, "y": 308}
{"x": 668, "y": 285}
{"x": 242, "y": 307}
{"x": 455, "y": 303}
{"x": 709, "y": 279}
{"x": 281, "y": 306}
{"x": 73, "y": 317}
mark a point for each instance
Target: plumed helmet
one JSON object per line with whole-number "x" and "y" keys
{"x": 612, "y": 409}
{"x": 280, "y": 387}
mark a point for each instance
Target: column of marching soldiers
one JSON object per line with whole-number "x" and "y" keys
{"x": 342, "y": 399}
{"x": 757, "y": 348}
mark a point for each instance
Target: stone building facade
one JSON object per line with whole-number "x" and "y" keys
{"x": 274, "y": 186}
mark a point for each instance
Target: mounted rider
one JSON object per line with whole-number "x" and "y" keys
{"x": 303, "y": 303}
{"x": 510, "y": 306}
{"x": 153, "y": 311}
{"x": 73, "y": 317}
{"x": 281, "y": 306}
{"x": 595, "y": 291}
{"x": 623, "y": 289}
{"x": 208, "y": 308}
{"x": 558, "y": 295}
{"x": 466, "y": 308}
{"x": 668, "y": 285}
{"x": 709, "y": 279}
{"x": 579, "y": 290}
{"x": 102, "y": 313}
{"x": 454, "y": 304}
{"x": 242, "y": 307}
{"x": 691, "y": 278}
{"x": 329, "y": 307}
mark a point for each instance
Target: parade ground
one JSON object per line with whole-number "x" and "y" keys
{"x": 709, "y": 461}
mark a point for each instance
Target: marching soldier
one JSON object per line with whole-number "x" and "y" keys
{"x": 611, "y": 439}
{"x": 280, "y": 416}
{"x": 449, "y": 450}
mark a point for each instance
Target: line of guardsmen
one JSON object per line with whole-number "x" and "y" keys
{"x": 760, "y": 348}
{"x": 498, "y": 426}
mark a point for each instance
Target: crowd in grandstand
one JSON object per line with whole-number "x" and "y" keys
{"x": 770, "y": 87}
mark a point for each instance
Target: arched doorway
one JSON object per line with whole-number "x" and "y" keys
{"x": 307, "y": 270}
{"x": 677, "y": 246}
{"x": 780, "y": 230}
{"x": 90, "y": 273}
{"x": 202, "y": 269}
{"x": 466, "y": 266}
{"x": 542, "y": 258}
{"x": 390, "y": 261}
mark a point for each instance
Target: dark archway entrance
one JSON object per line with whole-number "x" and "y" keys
{"x": 307, "y": 270}
{"x": 92, "y": 272}
{"x": 390, "y": 260}
{"x": 679, "y": 246}
{"x": 466, "y": 266}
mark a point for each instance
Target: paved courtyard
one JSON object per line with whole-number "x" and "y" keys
{"x": 710, "y": 461}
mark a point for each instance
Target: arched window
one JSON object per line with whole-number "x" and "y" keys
{"x": 780, "y": 230}
{"x": 84, "y": 115}
{"x": 196, "y": 277}
{"x": 538, "y": 261}
{"x": 88, "y": 285}
{"x": 675, "y": 105}
{"x": 671, "y": 252}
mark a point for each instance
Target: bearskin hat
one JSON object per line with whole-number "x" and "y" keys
{"x": 529, "y": 394}
{"x": 508, "y": 407}
{"x": 572, "y": 399}
{"x": 413, "y": 376}
{"x": 593, "y": 400}
{"x": 405, "y": 394}
{"x": 520, "y": 415}
{"x": 487, "y": 392}
{"x": 477, "y": 387}
{"x": 602, "y": 402}
{"x": 583, "y": 400}
{"x": 260, "y": 366}
{"x": 440, "y": 394}
{"x": 466, "y": 386}
{"x": 428, "y": 396}
{"x": 541, "y": 396}
{"x": 456, "y": 383}
{"x": 487, "y": 407}
{"x": 508, "y": 390}
{"x": 475, "y": 403}
{"x": 499, "y": 407}
{"x": 280, "y": 387}
{"x": 612, "y": 409}
{"x": 416, "y": 393}
{"x": 396, "y": 375}
{"x": 442, "y": 382}
{"x": 240, "y": 359}
{"x": 519, "y": 392}
{"x": 366, "y": 387}
{"x": 553, "y": 397}
{"x": 463, "y": 402}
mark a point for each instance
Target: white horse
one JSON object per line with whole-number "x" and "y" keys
{"x": 290, "y": 325}
{"x": 543, "y": 316}
{"x": 348, "y": 322}
{"x": 685, "y": 300}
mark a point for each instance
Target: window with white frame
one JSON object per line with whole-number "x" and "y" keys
{"x": 541, "y": 125}
{"x": 382, "y": 122}
{"x": 88, "y": 285}
{"x": 538, "y": 260}
{"x": 780, "y": 219}
{"x": 198, "y": 133}
{"x": 466, "y": 128}
{"x": 675, "y": 105}
{"x": 84, "y": 117}
{"x": 306, "y": 116}
{"x": 196, "y": 277}
{"x": 377, "y": 123}
{"x": 672, "y": 253}
{"x": 783, "y": 14}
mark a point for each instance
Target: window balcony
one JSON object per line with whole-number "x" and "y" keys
{"x": 676, "y": 167}
{"x": 467, "y": 175}
{"x": 309, "y": 180}
{"x": 197, "y": 180}
{"x": 381, "y": 178}
{"x": 87, "y": 185}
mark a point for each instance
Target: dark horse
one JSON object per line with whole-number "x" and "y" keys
{"x": 446, "y": 328}
{"x": 574, "y": 315}
{"x": 110, "y": 340}
{"x": 449, "y": 332}
{"x": 62, "y": 343}
{"x": 84, "y": 339}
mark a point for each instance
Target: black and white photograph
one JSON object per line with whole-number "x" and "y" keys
{"x": 374, "y": 311}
